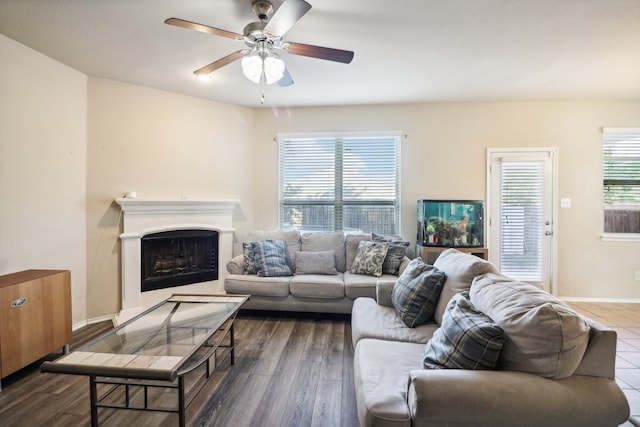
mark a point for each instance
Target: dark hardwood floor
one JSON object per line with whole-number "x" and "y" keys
{"x": 290, "y": 370}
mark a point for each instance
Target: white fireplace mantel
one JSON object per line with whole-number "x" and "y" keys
{"x": 146, "y": 216}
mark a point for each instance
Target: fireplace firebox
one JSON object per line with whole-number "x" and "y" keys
{"x": 177, "y": 258}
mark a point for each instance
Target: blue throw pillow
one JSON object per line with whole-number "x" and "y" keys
{"x": 467, "y": 339}
{"x": 416, "y": 292}
{"x": 271, "y": 258}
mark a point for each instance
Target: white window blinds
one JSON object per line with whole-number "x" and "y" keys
{"x": 522, "y": 219}
{"x": 621, "y": 179}
{"x": 344, "y": 182}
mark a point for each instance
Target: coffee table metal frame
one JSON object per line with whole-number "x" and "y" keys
{"x": 167, "y": 372}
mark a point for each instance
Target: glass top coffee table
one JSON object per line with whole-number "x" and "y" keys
{"x": 156, "y": 349}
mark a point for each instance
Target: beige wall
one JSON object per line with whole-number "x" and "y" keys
{"x": 444, "y": 156}
{"x": 160, "y": 145}
{"x": 70, "y": 144}
{"x": 43, "y": 126}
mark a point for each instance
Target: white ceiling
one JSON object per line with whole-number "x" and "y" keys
{"x": 405, "y": 51}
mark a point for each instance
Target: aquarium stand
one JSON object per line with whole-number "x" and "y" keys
{"x": 429, "y": 254}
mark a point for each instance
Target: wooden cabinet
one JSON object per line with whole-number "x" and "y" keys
{"x": 429, "y": 254}
{"x": 35, "y": 316}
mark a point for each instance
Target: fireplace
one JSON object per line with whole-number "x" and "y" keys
{"x": 178, "y": 258}
{"x": 144, "y": 220}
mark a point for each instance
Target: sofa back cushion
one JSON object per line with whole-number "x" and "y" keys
{"x": 351, "y": 242}
{"x": 460, "y": 269}
{"x": 326, "y": 241}
{"x": 291, "y": 240}
{"x": 542, "y": 334}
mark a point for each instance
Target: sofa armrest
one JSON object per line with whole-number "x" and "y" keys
{"x": 498, "y": 398}
{"x": 384, "y": 287}
{"x": 383, "y": 292}
{"x": 403, "y": 264}
{"x": 236, "y": 265}
{"x": 600, "y": 356}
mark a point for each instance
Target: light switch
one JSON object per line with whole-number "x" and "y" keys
{"x": 565, "y": 203}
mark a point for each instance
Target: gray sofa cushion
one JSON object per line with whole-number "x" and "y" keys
{"x": 326, "y": 241}
{"x": 542, "y": 334}
{"x": 352, "y": 240}
{"x": 254, "y": 285}
{"x": 320, "y": 262}
{"x": 317, "y": 286}
{"x": 416, "y": 292}
{"x": 361, "y": 285}
{"x": 371, "y": 320}
{"x": 460, "y": 269}
{"x": 467, "y": 339}
{"x": 381, "y": 372}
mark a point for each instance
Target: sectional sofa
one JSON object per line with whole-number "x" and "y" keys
{"x": 319, "y": 274}
{"x": 552, "y": 367}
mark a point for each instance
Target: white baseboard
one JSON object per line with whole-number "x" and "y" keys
{"x": 92, "y": 321}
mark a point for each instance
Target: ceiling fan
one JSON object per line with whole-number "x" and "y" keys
{"x": 260, "y": 62}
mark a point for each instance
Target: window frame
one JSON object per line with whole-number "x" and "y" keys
{"x": 609, "y": 235}
{"x": 338, "y": 201}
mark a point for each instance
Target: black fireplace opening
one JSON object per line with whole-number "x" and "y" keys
{"x": 177, "y": 258}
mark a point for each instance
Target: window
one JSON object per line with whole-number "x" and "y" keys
{"x": 621, "y": 180}
{"x": 347, "y": 182}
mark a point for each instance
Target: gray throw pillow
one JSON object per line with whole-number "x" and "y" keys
{"x": 369, "y": 258}
{"x": 271, "y": 258}
{"x": 320, "y": 262}
{"x": 467, "y": 339}
{"x": 416, "y": 292}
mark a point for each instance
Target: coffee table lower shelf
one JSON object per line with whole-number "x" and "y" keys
{"x": 186, "y": 395}
{"x": 175, "y": 345}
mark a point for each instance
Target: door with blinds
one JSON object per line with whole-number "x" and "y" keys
{"x": 521, "y": 213}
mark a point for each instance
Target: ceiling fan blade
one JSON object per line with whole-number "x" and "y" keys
{"x": 286, "y": 79}
{"x": 337, "y": 55}
{"x": 208, "y": 69}
{"x": 289, "y": 12}
{"x": 203, "y": 28}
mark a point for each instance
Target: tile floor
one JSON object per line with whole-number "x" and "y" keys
{"x": 625, "y": 319}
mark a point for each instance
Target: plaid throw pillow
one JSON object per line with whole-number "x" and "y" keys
{"x": 271, "y": 258}
{"x": 416, "y": 292}
{"x": 395, "y": 253}
{"x": 467, "y": 339}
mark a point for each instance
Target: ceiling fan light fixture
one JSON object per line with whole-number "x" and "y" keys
{"x": 252, "y": 67}
{"x": 259, "y": 64}
{"x": 273, "y": 68}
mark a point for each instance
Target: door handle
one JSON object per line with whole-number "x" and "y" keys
{"x": 548, "y": 233}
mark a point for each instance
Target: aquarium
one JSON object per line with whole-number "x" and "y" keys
{"x": 451, "y": 223}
